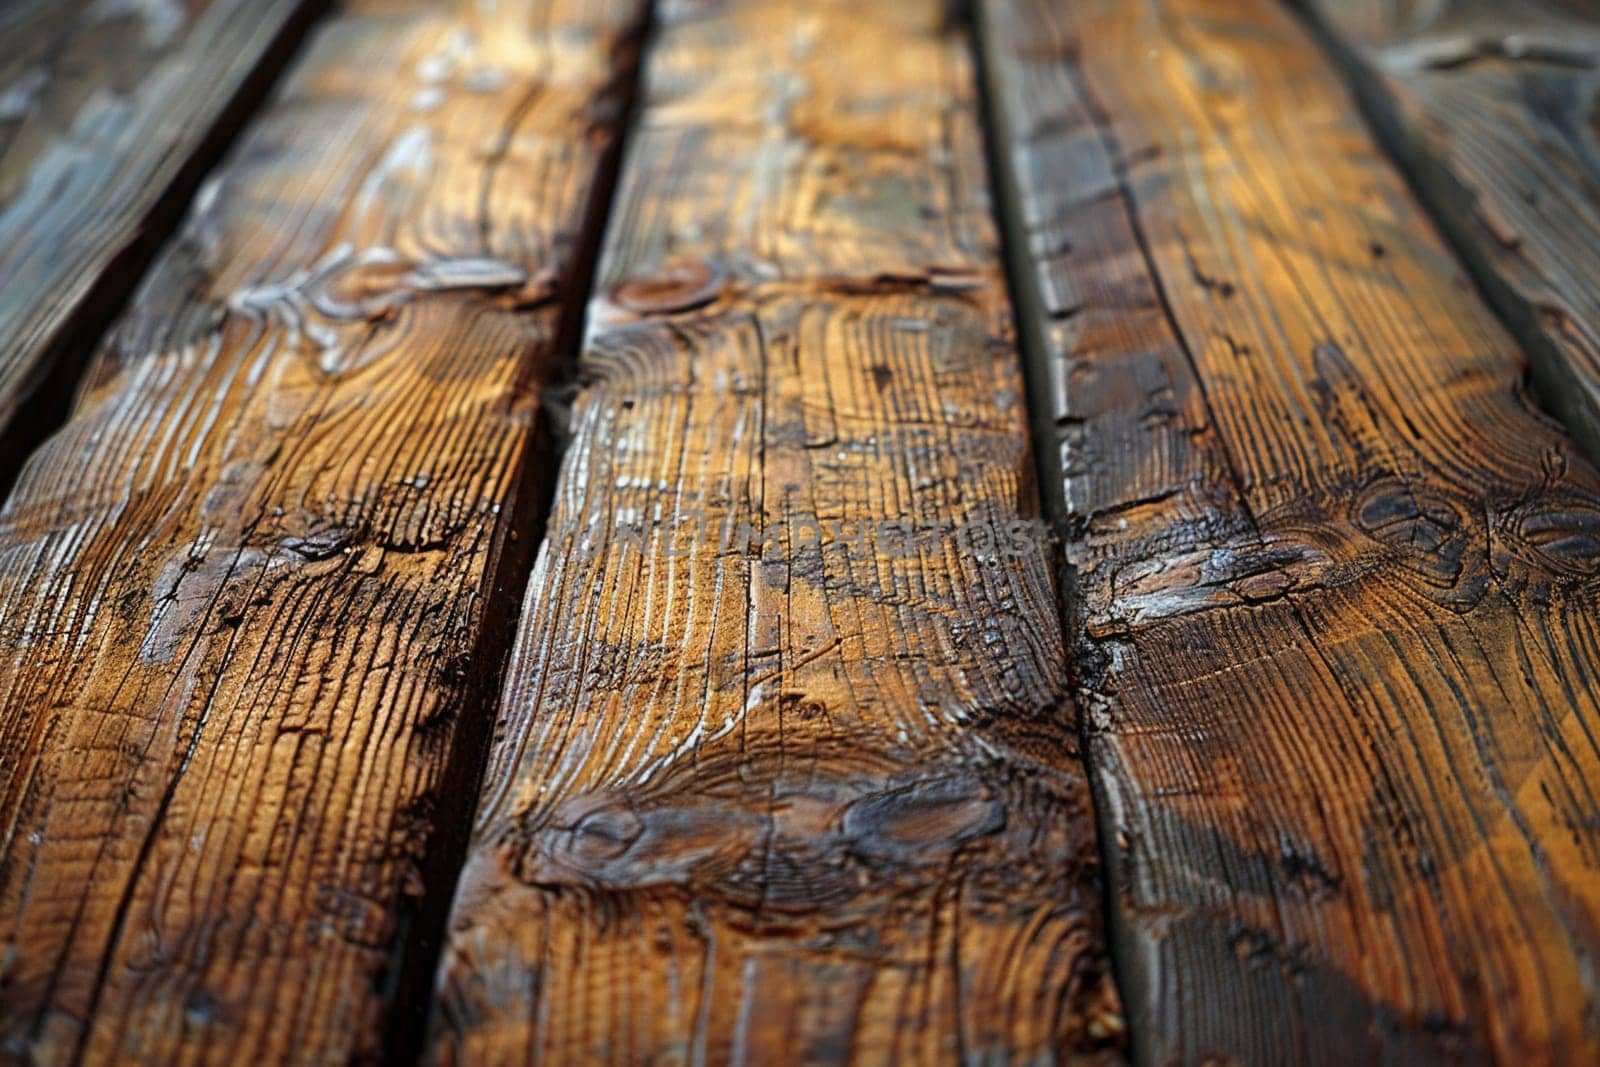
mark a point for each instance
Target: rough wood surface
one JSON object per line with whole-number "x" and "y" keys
{"x": 786, "y": 768}
{"x": 246, "y": 592}
{"x": 1337, "y": 604}
{"x": 109, "y": 113}
{"x": 1492, "y": 106}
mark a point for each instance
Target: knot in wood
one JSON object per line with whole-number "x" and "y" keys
{"x": 1427, "y": 534}
{"x": 790, "y": 847}
{"x": 676, "y": 286}
{"x": 1563, "y": 534}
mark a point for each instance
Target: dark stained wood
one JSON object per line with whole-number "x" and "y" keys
{"x": 110, "y": 113}
{"x": 1492, "y": 105}
{"x": 247, "y": 592}
{"x": 812, "y": 796}
{"x": 1336, "y": 598}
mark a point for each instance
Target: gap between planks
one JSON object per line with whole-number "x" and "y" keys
{"x": 410, "y": 1014}
{"x": 1033, "y": 350}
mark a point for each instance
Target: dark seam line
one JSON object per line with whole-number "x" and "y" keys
{"x": 422, "y": 927}
{"x": 1027, "y": 304}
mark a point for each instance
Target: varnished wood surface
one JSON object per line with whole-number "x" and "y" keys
{"x": 1337, "y": 613}
{"x": 248, "y": 593}
{"x": 1492, "y": 104}
{"x": 109, "y": 113}
{"x": 777, "y": 780}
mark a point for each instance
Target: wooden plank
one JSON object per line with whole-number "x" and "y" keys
{"x": 772, "y": 784}
{"x": 1335, "y": 579}
{"x": 1490, "y": 104}
{"x": 252, "y": 595}
{"x": 110, "y": 113}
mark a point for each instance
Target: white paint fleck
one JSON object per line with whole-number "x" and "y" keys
{"x": 486, "y": 80}
{"x": 443, "y": 274}
{"x": 427, "y": 99}
{"x": 16, "y": 100}
{"x": 205, "y": 198}
{"x": 439, "y": 66}
{"x": 411, "y": 152}
{"x": 434, "y": 69}
{"x": 162, "y": 18}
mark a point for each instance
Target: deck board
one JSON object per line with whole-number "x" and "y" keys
{"x": 787, "y": 764}
{"x": 1491, "y": 104}
{"x": 249, "y": 593}
{"x": 1336, "y": 581}
{"x": 773, "y": 783}
{"x": 110, "y": 114}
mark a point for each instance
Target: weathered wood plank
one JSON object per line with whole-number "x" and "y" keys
{"x": 1491, "y": 105}
{"x": 1337, "y": 604}
{"x": 248, "y": 593}
{"x": 110, "y": 114}
{"x": 813, "y": 796}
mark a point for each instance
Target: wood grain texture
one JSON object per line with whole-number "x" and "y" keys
{"x": 245, "y": 593}
{"x": 1336, "y": 583}
{"x": 110, "y": 113}
{"x": 1492, "y": 105}
{"x": 786, "y": 768}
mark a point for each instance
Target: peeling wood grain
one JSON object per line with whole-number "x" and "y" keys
{"x": 1492, "y": 106}
{"x": 1336, "y": 583}
{"x": 786, "y": 768}
{"x": 247, "y": 592}
{"x": 111, "y": 111}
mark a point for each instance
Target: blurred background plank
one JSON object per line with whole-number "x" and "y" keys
{"x": 1491, "y": 104}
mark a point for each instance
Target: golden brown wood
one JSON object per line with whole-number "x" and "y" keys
{"x": 813, "y": 796}
{"x": 1337, "y": 604}
{"x": 1492, "y": 104}
{"x": 247, "y": 593}
{"x": 110, "y": 111}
